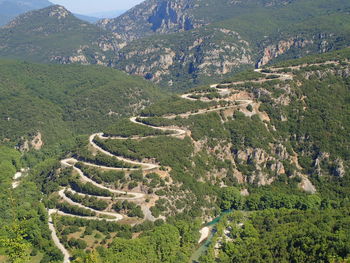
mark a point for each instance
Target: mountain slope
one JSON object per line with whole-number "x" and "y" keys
{"x": 225, "y": 37}
{"x": 54, "y": 35}
{"x": 229, "y": 36}
{"x": 9, "y": 9}
{"x": 58, "y": 101}
{"x": 153, "y": 17}
{"x": 266, "y": 148}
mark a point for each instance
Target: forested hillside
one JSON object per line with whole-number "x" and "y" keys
{"x": 247, "y": 165}
{"x": 224, "y": 36}
{"x": 55, "y": 35}
{"x": 24, "y": 235}
{"x": 267, "y": 150}
{"x": 58, "y": 101}
{"x": 9, "y": 9}
{"x": 182, "y": 43}
{"x": 274, "y": 150}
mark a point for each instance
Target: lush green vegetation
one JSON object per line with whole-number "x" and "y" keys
{"x": 74, "y": 210}
{"x": 24, "y": 234}
{"x": 101, "y": 176}
{"x": 82, "y": 153}
{"x": 88, "y": 188}
{"x": 244, "y": 132}
{"x": 168, "y": 151}
{"x": 60, "y": 101}
{"x": 166, "y": 243}
{"x": 88, "y": 201}
{"x": 156, "y": 243}
{"x": 126, "y": 128}
{"x": 131, "y": 209}
{"x": 244, "y": 76}
{"x": 287, "y": 236}
{"x": 269, "y": 198}
{"x": 174, "y": 105}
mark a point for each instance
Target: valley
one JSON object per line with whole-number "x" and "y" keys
{"x": 225, "y": 94}
{"x": 180, "y": 131}
{"x": 144, "y": 166}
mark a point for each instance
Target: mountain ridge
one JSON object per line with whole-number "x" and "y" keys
{"x": 271, "y": 29}
{"x": 160, "y": 47}
{"x": 54, "y": 34}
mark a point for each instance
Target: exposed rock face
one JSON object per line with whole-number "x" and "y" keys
{"x": 321, "y": 158}
{"x": 169, "y": 16}
{"x": 150, "y": 17}
{"x": 59, "y": 12}
{"x": 273, "y": 51}
{"x": 212, "y": 52}
{"x": 306, "y": 185}
{"x": 339, "y": 169}
{"x": 172, "y": 42}
{"x": 319, "y": 43}
{"x": 37, "y": 142}
{"x": 262, "y": 161}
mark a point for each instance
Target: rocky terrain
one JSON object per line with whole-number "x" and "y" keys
{"x": 240, "y": 134}
{"x": 186, "y": 43}
{"x": 181, "y": 43}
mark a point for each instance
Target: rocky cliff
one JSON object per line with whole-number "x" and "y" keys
{"x": 203, "y": 53}
{"x": 182, "y": 43}
{"x": 152, "y": 17}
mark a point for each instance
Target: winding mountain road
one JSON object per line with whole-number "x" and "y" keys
{"x": 55, "y": 238}
{"x": 223, "y": 90}
{"x": 67, "y": 163}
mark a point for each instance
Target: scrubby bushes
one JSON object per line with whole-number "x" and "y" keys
{"x": 101, "y": 176}
{"x": 88, "y": 188}
{"x": 89, "y": 201}
{"x": 74, "y": 210}
{"x": 125, "y": 128}
{"x": 131, "y": 209}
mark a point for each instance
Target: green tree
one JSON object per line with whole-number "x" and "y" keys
{"x": 231, "y": 198}
{"x": 16, "y": 247}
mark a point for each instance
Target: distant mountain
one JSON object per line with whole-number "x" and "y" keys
{"x": 53, "y": 34}
{"x": 183, "y": 43}
{"x": 168, "y": 16}
{"x": 188, "y": 42}
{"x": 108, "y": 14}
{"x": 90, "y": 19}
{"x": 9, "y": 9}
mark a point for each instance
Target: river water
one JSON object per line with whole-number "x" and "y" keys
{"x": 206, "y": 244}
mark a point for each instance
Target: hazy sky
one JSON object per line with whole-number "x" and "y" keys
{"x": 94, "y": 6}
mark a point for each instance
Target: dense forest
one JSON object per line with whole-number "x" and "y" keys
{"x": 62, "y": 101}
